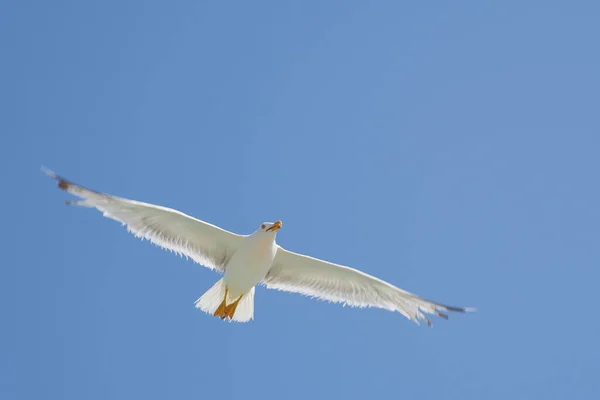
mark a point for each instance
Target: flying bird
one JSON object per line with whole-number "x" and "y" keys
{"x": 248, "y": 260}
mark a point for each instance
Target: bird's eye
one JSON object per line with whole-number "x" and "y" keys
{"x": 262, "y": 226}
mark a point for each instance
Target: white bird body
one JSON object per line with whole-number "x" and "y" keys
{"x": 250, "y": 263}
{"x": 248, "y": 260}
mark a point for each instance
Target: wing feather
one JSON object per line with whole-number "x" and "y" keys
{"x": 293, "y": 272}
{"x": 170, "y": 229}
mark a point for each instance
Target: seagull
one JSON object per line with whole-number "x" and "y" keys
{"x": 248, "y": 260}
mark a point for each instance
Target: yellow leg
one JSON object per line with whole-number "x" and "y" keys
{"x": 230, "y": 309}
{"x": 220, "y": 311}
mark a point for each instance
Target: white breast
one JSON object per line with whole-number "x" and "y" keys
{"x": 249, "y": 265}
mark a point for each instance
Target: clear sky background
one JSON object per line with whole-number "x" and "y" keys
{"x": 451, "y": 149}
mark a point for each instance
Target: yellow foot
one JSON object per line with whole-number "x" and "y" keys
{"x": 230, "y": 309}
{"x": 220, "y": 311}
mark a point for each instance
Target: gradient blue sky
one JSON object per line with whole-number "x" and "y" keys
{"x": 452, "y": 149}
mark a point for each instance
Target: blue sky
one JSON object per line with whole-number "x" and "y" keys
{"x": 451, "y": 149}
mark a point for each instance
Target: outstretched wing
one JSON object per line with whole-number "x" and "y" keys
{"x": 170, "y": 229}
{"x": 292, "y": 272}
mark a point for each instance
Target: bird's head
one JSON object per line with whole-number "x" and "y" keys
{"x": 270, "y": 227}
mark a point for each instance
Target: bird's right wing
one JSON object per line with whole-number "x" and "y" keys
{"x": 293, "y": 272}
{"x": 170, "y": 229}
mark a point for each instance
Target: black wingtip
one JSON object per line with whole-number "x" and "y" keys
{"x": 441, "y": 314}
{"x": 459, "y": 309}
{"x": 62, "y": 183}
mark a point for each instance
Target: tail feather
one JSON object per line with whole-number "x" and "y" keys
{"x": 210, "y": 301}
{"x": 213, "y": 297}
{"x": 245, "y": 310}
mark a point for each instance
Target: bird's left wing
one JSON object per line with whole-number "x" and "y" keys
{"x": 170, "y": 229}
{"x": 292, "y": 272}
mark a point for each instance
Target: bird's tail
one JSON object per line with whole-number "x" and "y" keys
{"x": 210, "y": 301}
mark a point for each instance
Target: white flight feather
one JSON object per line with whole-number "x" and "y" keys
{"x": 293, "y": 272}
{"x": 170, "y": 229}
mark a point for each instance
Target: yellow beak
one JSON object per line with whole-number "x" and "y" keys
{"x": 276, "y": 226}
